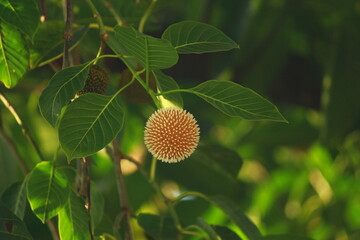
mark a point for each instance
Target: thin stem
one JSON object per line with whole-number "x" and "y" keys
{"x": 153, "y": 169}
{"x": 98, "y": 18}
{"x": 173, "y": 91}
{"x": 52, "y": 228}
{"x": 25, "y": 131}
{"x": 84, "y": 190}
{"x": 186, "y": 194}
{"x": 113, "y": 12}
{"x": 120, "y": 181}
{"x": 138, "y": 78}
{"x": 67, "y": 60}
{"x": 12, "y": 146}
{"x": 146, "y": 15}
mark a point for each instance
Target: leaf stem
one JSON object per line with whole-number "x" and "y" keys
{"x": 25, "y": 130}
{"x": 138, "y": 78}
{"x": 113, "y": 12}
{"x": 186, "y": 194}
{"x": 98, "y": 18}
{"x": 146, "y": 15}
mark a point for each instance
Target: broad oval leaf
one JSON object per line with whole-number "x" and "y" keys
{"x": 14, "y": 55}
{"x": 47, "y": 190}
{"x": 15, "y": 198}
{"x": 237, "y": 101}
{"x": 237, "y": 216}
{"x": 195, "y": 37}
{"x": 48, "y": 43}
{"x": 11, "y": 227}
{"x": 89, "y": 124}
{"x": 152, "y": 53}
{"x": 73, "y": 219}
{"x": 61, "y": 89}
{"x": 166, "y": 83}
{"x": 23, "y": 14}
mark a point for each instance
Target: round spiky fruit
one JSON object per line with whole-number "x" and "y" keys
{"x": 97, "y": 81}
{"x": 171, "y": 134}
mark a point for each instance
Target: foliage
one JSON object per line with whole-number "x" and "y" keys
{"x": 256, "y": 174}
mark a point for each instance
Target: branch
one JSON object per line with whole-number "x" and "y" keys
{"x": 120, "y": 181}
{"x": 84, "y": 189}
{"x": 24, "y": 129}
{"x": 67, "y": 61}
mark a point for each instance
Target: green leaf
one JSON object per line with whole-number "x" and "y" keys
{"x": 13, "y": 55}
{"x": 218, "y": 162}
{"x": 47, "y": 190}
{"x": 208, "y": 229}
{"x": 285, "y": 237}
{"x": 61, "y": 89}
{"x": 225, "y": 233}
{"x": 152, "y": 53}
{"x": 166, "y": 83}
{"x": 195, "y": 37}
{"x": 49, "y": 42}
{"x": 11, "y": 227}
{"x": 158, "y": 227}
{"x": 24, "y": 14}
{"x": 237, "y": 216}
{"x": 14, "y": 198}
{"x": 237, "y": 101}
{"x": 73, "y": 219}
{"x": 89, "y": 124}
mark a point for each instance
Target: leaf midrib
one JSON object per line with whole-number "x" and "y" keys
{"x": 5, "y": 57}
{"x": 198, "y": 43}
{"x": 93, "y": 123}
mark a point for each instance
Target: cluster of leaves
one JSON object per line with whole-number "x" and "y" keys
{"x": 90, "y": 122}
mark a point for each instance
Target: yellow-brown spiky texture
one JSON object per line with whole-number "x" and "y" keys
{"x": 97, "y": 81}
{"x": 171, "y": 134}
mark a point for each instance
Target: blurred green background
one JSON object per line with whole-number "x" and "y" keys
{"x": 300, "y": 178}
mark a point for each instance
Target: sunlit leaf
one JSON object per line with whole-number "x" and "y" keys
{"x": 166, "y": 83}
{"x": 73, "y": 219}
{"x": 61, "y": 89}
{"x": 47, "y": 190}
{"x": 237, "y": 101}
{"x": 196, "y": 37}
{"x": 49, "y": 42}
{"x": 225, "y": 233}
{"x": 237, "y": 216}
{"x": 23, "y": 14}
{"x": 13, "y": 55}
{"x": 11, "y": 227}
{"x": 14, "y": 198}
{"x": 208, "y": 229}
{"x": 152, "y": 53}
{"x": 157, "y": 226}
{"x": 89, "y": 124}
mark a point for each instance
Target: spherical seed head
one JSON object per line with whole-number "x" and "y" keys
{"x": 171, "y": 134}
{"x": 97, "y": 81}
